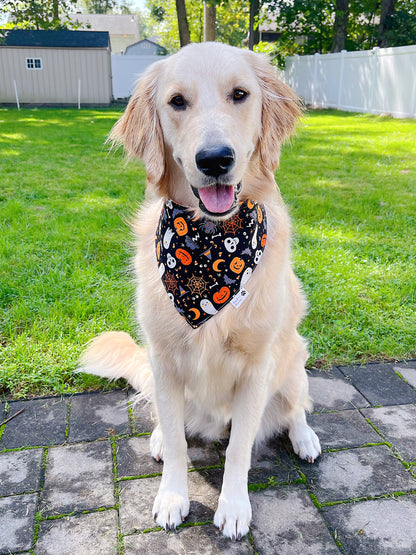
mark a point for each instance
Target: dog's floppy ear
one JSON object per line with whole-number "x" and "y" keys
{"x": 139, "y": 130}
{"x": 280, "y": 112}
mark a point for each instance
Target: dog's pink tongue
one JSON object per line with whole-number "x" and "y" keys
{"x": 217, "y": 198}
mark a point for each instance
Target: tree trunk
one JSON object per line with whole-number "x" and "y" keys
{"x": 55, "y": 8}
{"x": 254, "y": 34}
{"x": 210, "y": 18}
{"x": 184, "y": 37}
{"x": 386, "y": 20}
{"x": 339, "y": 33}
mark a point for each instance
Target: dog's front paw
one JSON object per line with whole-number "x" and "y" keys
{"x": 170, "y": 509}
{"x": 233, "y": 517}
{"x": 305, "y": 443}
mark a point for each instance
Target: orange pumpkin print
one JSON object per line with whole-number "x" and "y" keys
{"x": 250, "y": 204}
{"x": 263, "y": 240}
{"x": 181, "y": 226}
{"x": 237, "y": 264}
{"x": 183, "y": 256}
{"x": 221, "y": 296}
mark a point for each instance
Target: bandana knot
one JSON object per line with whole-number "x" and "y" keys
{"x": 203, "y": 264}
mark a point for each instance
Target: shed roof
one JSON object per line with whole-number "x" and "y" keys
{"x": 56, "y": 39}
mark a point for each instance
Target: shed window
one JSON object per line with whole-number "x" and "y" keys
{"x": 33, "y": 63}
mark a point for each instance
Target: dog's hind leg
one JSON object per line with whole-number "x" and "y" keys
{"x": 304, "y": 440}
{"x": 279, "y": 416}
{"x": 295, "y": 394}
{"x": 156, "y": 444}
{"x": 286, "y": 410}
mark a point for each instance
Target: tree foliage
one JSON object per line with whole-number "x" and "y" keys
{"x": 107, "y": 6}
{"x": 39, "y": 14}
{"x": 303, "y": 26}
{"x": 309, "y": 26}
{"x": 98, "y": 6}
{"x": 231, "y": 21}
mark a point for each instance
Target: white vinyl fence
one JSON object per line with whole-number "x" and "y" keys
{"x": 125, "y": 71}
{"x": 376, "y": 81}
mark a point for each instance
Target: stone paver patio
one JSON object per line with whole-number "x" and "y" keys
{"x": 76, "y": 476}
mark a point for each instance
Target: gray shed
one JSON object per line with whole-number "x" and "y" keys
{"x": 55, "y": 67}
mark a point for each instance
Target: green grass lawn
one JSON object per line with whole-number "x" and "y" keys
{"x": 349, "y": 181}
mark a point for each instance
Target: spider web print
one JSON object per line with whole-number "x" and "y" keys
{"x": 197, "y": 285}
{"x": 232, "y": 225}
{"x": 171, "y": 282}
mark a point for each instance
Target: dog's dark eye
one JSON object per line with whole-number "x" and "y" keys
{"x": 239, "y": 95}
{"x": 178, "y": 102}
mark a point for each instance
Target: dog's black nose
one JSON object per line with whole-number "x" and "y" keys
{"x": 215, "y": 161}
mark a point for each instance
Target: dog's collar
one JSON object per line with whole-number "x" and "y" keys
{"x": 205, "y": 264}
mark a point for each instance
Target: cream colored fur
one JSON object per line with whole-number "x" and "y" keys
{"x": 245, "y": 365}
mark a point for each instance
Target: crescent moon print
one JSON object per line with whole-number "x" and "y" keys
{"x": 216, "y": 265}
{"x": 199, "y": 252}
{"x": 196, "y": 312}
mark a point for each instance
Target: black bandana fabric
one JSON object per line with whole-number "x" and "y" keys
{"x": 205, "y": 264}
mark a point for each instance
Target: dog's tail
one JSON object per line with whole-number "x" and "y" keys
{"x": 115, "y": 355}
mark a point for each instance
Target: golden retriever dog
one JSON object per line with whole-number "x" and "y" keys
{"x": 217, "y": 301}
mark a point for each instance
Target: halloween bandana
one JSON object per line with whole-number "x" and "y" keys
{"x": 203, "y": 264}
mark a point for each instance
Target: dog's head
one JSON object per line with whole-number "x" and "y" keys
{"x": 208, "y": 122}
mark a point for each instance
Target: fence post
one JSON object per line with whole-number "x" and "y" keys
{"x": 315, "y": 77}
{"x": 17, "y": 96}
{"x": 295, "y": 71}
{"x": 341, "y": 80}
{"x": 413, "y": 114}
{"x": 373, "y": 79}
{"x": 79, "y": 94}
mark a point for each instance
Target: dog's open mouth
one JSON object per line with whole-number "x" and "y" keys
{"x": 218, "y": 199}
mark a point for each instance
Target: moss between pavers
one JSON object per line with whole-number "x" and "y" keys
{"x": 370, "y": 444}
{"x": 352, "y": 500}
{"x": 252, "y": 543}
{"x": 393, "y": 449}
{"x": 117, "y": 493}
{"x": 334, "y": 534}
{"x": 273, "y": 483}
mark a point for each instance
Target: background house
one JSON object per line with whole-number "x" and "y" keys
{"x": 55, "y": 67}
{"x": 145, "y": 47}
{"x": 123, "y": 29}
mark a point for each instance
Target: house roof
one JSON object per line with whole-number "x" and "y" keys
{"x": 160, "y": 49}
{"x": 56, "y": 39}
{"x": 115, "y": 24}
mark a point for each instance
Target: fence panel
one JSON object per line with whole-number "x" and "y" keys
{"x": 375, "y": 81}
